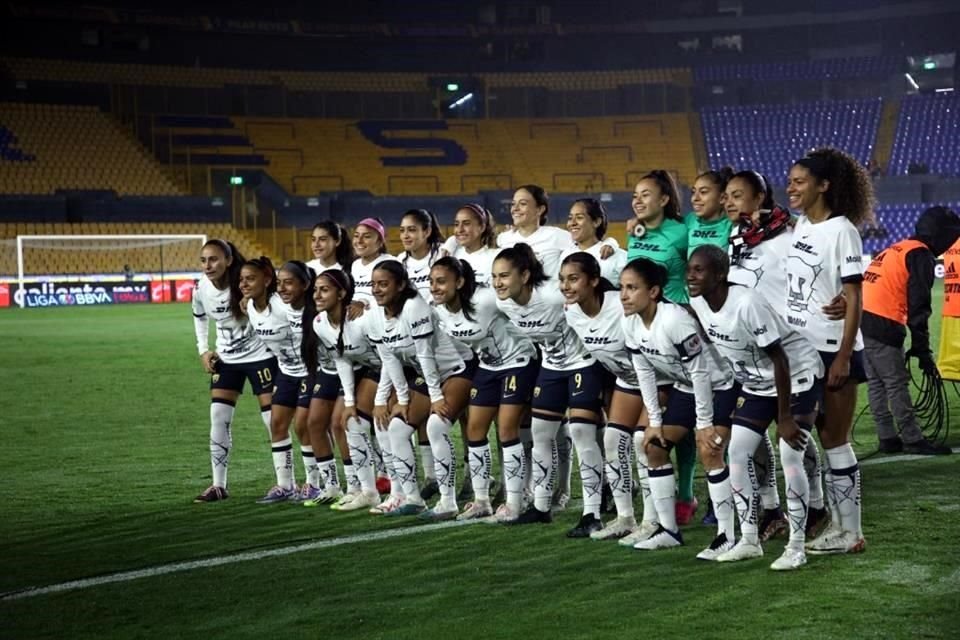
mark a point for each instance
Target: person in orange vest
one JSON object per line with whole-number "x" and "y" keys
{"x": 949, "y": 360}
{"x": 896, "y": 295}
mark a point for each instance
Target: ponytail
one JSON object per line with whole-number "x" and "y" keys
{"x": 311, "y": 343}
{"x": 399, "y": 274}
{"x": 522, "y": 257}
{"x": 590, "y": 268}
{"x": 264, "y": 266}
{"x": 668, "y": 187}
{"x": 232, "y": 275}
{"x": 760, "y": 184}
{"x": 426, "y": 220}
{"x": 463, "y": 271}
{"x": 488, "y": 237}
{"x": 344, "y": 250}
{"x": 652, "y": 273}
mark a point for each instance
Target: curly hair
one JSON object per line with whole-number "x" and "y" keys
{"x": 851, "y": 191}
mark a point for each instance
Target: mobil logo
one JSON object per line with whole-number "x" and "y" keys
{"x": 401, "y": 135}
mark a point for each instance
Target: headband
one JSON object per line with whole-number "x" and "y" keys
{"x": 375, "y": 225}
{"x": 338, "y": 277}
{"x": 295, "y": 267}
{"x": 481, "y": 212}
{"x": 817, "y": 166}
{"x": 227, "y": 251}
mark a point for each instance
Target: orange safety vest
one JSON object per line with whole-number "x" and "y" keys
{"x": 951, "y": 281}
{"x": 885, "y": 282}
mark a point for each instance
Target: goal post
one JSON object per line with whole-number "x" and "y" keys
{"x": 46, "y": 262}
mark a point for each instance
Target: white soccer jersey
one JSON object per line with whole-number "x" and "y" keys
{"x": 419, "y": 271}
{"x": 358, "y": 351}
{"x": 482, "y": 262}
{"x": 280, "y": 326}
{"x": 363, "y": 279}
{"x": 609, "y": 268}
{"x": 496, "y": 341}
{"x": 542, "y": 320}
{"x": 603, "y": 336}
{"x": 236, "y": 340}
{"x": 822, "y": 256}
{"x": 672, "y": 348}
{"x": 764, "y": 268}
{"x": 414, "y": 339}
{"x": 547, "y": 243}
{"x": 319, "y": 268}
{"x": 743, "y": 328}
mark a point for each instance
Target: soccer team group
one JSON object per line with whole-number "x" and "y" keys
{"x": 704, "y": 331}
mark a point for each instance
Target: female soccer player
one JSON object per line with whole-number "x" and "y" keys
{"x": 240, "y": 355}
{"x": 422, "y": 246}
{"x": 435, "y": 387}
{"x": 276, "y": 304}
{"x": 474, "y": 240}
{"x": 358, "y": 367}
{"x": 594, "y": 312}
{"x": 502, "y": 385}
{"x": 569, "y": 379}
{"x": 708, "y": 222}
{"x": 370, "y": 247}
{"x": 780, "y": 374}
{"x": 331, "y": 247}
{"x": 665, "y": 342}
{"x": 835, "y": 194}
{"x": 587, "y": 224}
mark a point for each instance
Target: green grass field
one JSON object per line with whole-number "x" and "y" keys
{"x": 105, "y": 420}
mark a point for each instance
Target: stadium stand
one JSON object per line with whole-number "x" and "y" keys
{"x": 768, "y": 138}
{"x": 834, "y": 68}
{"x": 47, "y": 147}
{"x": 894, "y": 223}
{"x": 928, "y": 133}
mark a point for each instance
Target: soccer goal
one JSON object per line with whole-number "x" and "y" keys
{"x": 103, "y": 269}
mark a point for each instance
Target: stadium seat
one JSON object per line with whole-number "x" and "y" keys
{"x": 928, "y": 133}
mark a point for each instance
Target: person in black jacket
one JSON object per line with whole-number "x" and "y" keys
{"x": 896, "y": 295}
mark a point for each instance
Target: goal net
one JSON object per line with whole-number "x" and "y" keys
{"x": 56, "y": 270}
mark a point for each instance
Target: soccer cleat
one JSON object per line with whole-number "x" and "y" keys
{"x": 890, "y": 445}
{"x": 661, "y": 539}
{"x": 559, "y": 501}
{"x": 278, "y": 494}
{"x": 790, "y": 560}
{"x": 606, "y": 500}
{"x": 924, "y": 447}
{"x": 641, "y": 533}
{"x": 685, "y": 510}
{"x": 329, "y": 495}
{"x": 832, "y": 529}
{"x": 588, "y": 525}
{"x": 817, "y": 519}
{"x": 391, "y": 503}
{"x": 407, "y": 509}
{"x": 213, "y": 493}
{"x": 430, "y": 489}
{"x": 618, "y": 528}
{"x": 362, "y": 500}
{"x": 307, "y": 492}
{"x": 842, "y": 542}
{"x": 506, "y": 514}
{"x": 772, "y": 524}
{"x": 476, "y": 510}
{"x": 709, "y": 518}
{"x": 719, "y": 546}
{"x": 344, "y": 500}
{"x": 533, "y": 516}
{"x": 439, "y": 513}
{"x": 743, "y": 550}
{"x": 383, "y": 485}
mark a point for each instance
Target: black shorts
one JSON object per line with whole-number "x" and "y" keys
{"x": 557, "y": 391}
{"x": 326, "y": 386}
{"x": 507, "y": 386}
{"x": 366, "y": 373}
{"x": 682, "y": 408}
{"x": 230, "y": 375}
{"x": 417, "y": 383}
{"x": 291, "y": 391}
{"x": 857, "y": 371}
{"x": 765, "y": 409}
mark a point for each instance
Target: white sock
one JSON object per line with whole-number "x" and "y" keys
{"x": 404, "y": 462}
{"x": 265, "y": 416}
{"x": 663, "y": 488}
{"x": 798, "y": 493}
{"x": 328, "y": 472}
{"x": 283, "y": 462}
{"x": 765, "y": 464}
{"x": 381, "y": 466}
{"x": 221, "y": 417}
{"x": 386, "y": 450}
{"x": 564, "y": 468}
{"x": 526, "y": 441}
{"x": 718, "y": 484}
{"x": 591, "y": 464}
{"x": 358, "y": 440}
{"x": 743, "y": 479}
{"x": 643, "y": 478}
{"x": 514, "y": 472}
{"x": 544, "y": 434}
{"x": 310, "y": 468}
{"x": 481, "y": 465}
{"x": 427, "y": 462}
{"x": 814, "y": 469}
{"x": 445, "y": 457}
{"x": 845, "y": 474}
{"x": 350, "y": 471}
{"x": 616, "y": 449}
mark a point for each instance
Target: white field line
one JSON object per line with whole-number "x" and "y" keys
{"x": 247, "y": 556}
